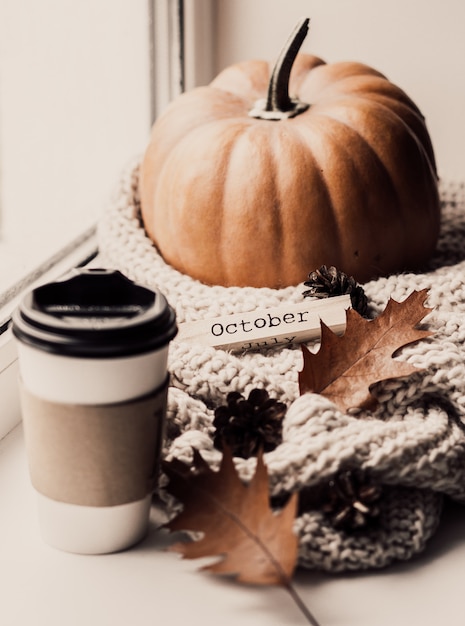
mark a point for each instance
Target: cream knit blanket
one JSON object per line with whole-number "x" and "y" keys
{"x": 414, "y": 444}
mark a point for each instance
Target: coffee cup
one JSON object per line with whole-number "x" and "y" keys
{"x": 92, "y": 352}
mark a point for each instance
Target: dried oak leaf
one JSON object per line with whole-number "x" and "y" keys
{"x": 256, "y": 545}
{"x": 345, "y": 367}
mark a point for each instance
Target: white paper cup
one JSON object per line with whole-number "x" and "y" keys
{"x": 93, "y": 364}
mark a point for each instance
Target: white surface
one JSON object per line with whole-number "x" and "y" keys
{"x": 147, "y": 586}
{"x": 419, "y": 45}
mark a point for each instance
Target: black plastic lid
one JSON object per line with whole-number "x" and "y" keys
{"x": 95, "y": 313}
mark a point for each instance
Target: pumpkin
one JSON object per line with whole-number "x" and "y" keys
{"x": 243, "y": 185}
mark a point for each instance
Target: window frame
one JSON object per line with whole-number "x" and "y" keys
{"x": 180, "y": 49}
{"x": 80, "y": 252}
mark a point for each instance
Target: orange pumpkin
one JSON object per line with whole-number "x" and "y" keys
{"x": 243, "y": 185}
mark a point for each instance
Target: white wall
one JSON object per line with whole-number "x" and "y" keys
{"x": 418, "y": 44}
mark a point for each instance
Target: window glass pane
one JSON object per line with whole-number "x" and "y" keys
{"x": 74, "y": 109}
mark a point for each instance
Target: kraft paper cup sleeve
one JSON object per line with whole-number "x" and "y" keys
{"x": 94, "y": 455}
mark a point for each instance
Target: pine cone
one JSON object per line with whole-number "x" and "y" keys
{"x": 328, "y": 281}
{"x": 350, "y": 499}
{"x": 247, "y": 426}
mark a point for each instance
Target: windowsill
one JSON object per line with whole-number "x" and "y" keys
{"x": 77, "y": 252}
{"x": 146, "y": 585}
{"x": 22, "y": 253}
{"x": 45, "y": 267}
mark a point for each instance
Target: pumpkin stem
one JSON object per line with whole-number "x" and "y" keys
{"x": 278, "y": 104}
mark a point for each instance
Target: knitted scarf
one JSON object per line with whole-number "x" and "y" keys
{"x": 413, "y": 444}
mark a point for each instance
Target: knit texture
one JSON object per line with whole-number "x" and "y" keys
{"x": 413, "y": 444}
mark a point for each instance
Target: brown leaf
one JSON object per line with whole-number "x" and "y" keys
{"x": 345, "y": 367}
{"x": 256, "y": 545}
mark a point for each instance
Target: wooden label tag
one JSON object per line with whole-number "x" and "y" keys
{"x": 286, "y": 324}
